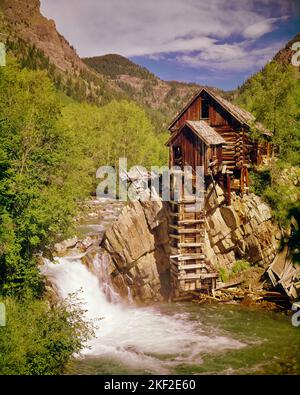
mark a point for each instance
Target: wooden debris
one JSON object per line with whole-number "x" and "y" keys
{"x": 283, "y": 273}
{"x": 229, "y": 285}
{"x": 263, "y": 298}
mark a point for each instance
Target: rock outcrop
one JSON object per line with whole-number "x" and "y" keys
{"x": 25, "y": 20}
{"x": 137, "y": 244}
{"x": 244, "y": 230}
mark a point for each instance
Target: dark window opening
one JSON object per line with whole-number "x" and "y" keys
{"x": 177, "y": 156}
{"x": 205, "y": 109}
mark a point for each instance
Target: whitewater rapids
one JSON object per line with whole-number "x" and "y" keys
{"x": 142, "y": 338}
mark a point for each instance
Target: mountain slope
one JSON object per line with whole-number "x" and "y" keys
{"x": 113, "y": 65}
{"x": 284, "y": 56}
{"x": 24, "y": 20}
{"x": 273, "y": 96}
{"x": 141, "y": 85}
{"x": 167, "y": 97}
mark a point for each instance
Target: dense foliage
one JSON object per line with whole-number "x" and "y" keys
{"x": 115, "y": 65}
{"x": 85, "y": 86}
{"x": 273, "y": 96}
{"x": 38, "y": 340}
{"x": 38, "y": 189}
{"x": 117, "y": 130}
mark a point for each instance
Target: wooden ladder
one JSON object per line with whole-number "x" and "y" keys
{"x": 189, "y": 267}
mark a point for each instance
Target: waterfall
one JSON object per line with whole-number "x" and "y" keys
{"x": 141, "y": 338}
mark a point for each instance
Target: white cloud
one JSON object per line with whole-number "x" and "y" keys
{"x": 145, "y": 27}
{"x": 157, "y": 27}
{"x": 260, "y": 28}
{"x": 231, "y": 57}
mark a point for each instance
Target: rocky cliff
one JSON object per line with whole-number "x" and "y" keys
{"x": 137, "y": 249}
{"x": 23, "y": 19}
{"x": 244, "y": 230}
{"x": 137, "y": 244}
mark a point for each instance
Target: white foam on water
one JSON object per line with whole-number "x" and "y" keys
{"x": 142, "y": 338}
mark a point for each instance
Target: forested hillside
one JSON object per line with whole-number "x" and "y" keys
{"x": 34, "y": 40}
{"x": 273, "y": 96}
{"x": 164, "y": 98}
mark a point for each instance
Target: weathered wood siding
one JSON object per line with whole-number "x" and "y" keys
{"x": 218, "y": 117}
{"x": 194, "y": 151}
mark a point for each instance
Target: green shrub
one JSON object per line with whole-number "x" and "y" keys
{"x": 260, "y": 180}
{"x": 240, "y": 266}
{"x": 39, "y": 340}
{"x": 224, "y": 274}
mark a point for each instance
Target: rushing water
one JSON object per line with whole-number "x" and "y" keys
{"x": 174, "y": 338}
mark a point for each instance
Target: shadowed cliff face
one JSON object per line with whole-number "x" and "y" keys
{"x": 23, "y": 19}
{"x": 137, "y": 244}
{"x": 244, "y": 230}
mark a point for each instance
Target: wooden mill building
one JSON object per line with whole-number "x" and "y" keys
{"x": 216, "y": 134}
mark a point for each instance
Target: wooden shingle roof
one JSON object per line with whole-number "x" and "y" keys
{"x": 241, "y": 115}
{"x": 205, "y": 132}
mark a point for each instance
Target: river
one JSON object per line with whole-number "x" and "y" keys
{"x": 173, "y": 338}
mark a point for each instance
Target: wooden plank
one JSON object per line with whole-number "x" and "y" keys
{"x": 190, "y": 231}
{"x": 190, "y": 221}
{"x": 188, "y": 257}
{"x": 192, "y": 266}
{"x": 182, "y": 229}
{"x": 176, "y": 251}
{"x": 190, "y": 244}
{"x": 174, "y": 236}
{"x": 188, "y": 201}
{"x": 191, "y": 276}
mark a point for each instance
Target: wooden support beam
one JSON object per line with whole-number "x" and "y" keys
{"x": 247, "y": 179}
{"x": 228, "y": 189}
{"x": 242, "y": 180}
{"x": 174, "y": 236}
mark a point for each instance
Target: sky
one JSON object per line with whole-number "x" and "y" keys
{"x": 211, "y": 42}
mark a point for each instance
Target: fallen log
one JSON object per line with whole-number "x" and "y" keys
{"x": 228, "y": 285}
